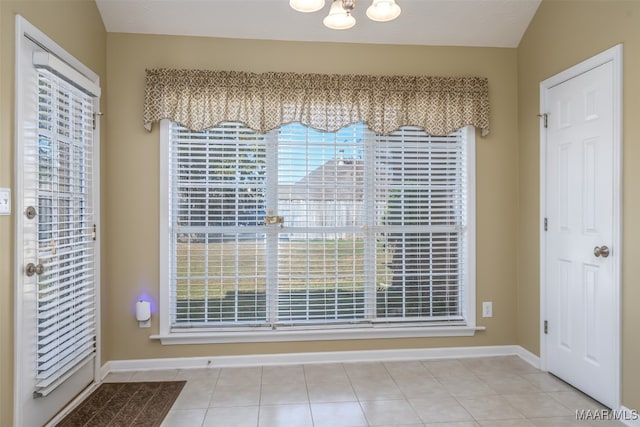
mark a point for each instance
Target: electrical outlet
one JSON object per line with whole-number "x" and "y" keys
{"x": 487, "y": 309}
{"x": 5, "y": 201}
{"x": 145, "y": 324}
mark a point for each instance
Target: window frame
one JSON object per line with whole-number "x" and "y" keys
{"x": 467, "y": 327}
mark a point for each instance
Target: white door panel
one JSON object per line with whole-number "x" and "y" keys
{"x": 581, "y": 291}
{"x": 56, "y": 306}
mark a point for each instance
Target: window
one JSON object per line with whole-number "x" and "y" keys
{"x": 65, "y": 298}
{"x": 300, "y": 230}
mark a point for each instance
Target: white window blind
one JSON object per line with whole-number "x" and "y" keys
{"x": 217, "y": 204}
{"x": 321, "y": 247}
{"x": 300, "y": 228}
{"x": 66, "y": 288}
{"x": 420, "y": 187}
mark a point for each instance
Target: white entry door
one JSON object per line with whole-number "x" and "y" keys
{"x": 581, "y": 248}
{"x": 56, "y": 214}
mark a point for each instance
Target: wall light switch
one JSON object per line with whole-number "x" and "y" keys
{"x": 5, "y": 201}
{"x": 487, "y": 309}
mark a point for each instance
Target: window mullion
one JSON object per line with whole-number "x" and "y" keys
{"x": 370, "y": 232}
{"x": 272, "y": 234}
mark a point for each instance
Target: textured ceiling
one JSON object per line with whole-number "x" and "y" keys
{"x": 492, "y": 23}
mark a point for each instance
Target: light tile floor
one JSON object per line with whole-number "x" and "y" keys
{"x": 495, "y": 392}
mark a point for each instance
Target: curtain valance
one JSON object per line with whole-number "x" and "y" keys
{"x": 201, "y": 99}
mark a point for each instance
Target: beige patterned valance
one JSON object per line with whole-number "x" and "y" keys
{"x": 202, "y": 99}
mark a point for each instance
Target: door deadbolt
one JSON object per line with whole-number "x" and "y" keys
{"x": 32, "y": 269}
{"x": 30, "y": 212}
{"x": 601, "y": 251}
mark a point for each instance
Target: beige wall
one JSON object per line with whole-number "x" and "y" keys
{"x": 132, "y": 181}
{"x": 562, "y": 34}
{"x": 76, "y": 26}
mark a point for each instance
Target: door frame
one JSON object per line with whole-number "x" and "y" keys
{"x": 613, "y": 55}
{"x": 24, "y": 29}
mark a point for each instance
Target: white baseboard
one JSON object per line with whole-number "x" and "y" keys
{"x": 319, "y": 357}
{"x": 104, "y": 370}
{"x": 528, "y": 357}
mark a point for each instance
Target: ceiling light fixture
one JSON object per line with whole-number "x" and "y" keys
{"x": 340, "y": 17}
{"x": 306, "y": 5}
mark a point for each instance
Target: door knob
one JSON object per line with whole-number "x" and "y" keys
{"x": 32, "y": 269}
{"x": 601, "y": 251}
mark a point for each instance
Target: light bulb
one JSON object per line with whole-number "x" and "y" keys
{"x": 383, "y": 10}
{"x": 306, "y": 5}
{"x": 338, "y": 18}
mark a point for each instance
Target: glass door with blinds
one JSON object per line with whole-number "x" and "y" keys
{"x": 58, "y": 218}
{"x": 316, "y": 229}
{"x": 64, "y": 213}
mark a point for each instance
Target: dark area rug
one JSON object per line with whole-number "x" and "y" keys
{"x": 125, "y": 404}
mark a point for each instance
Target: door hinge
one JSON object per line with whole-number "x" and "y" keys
{"x": 94, "y": 235}
{"x": 545, "y": 118}
{"x": 546, "y": 327}
{"x": 546, "y": 224}
{"x": 94, "y": 118}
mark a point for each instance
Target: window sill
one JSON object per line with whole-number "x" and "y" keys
{"x": 285, "y": 335}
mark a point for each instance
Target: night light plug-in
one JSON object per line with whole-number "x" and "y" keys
{"x": 143, "y": 313}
